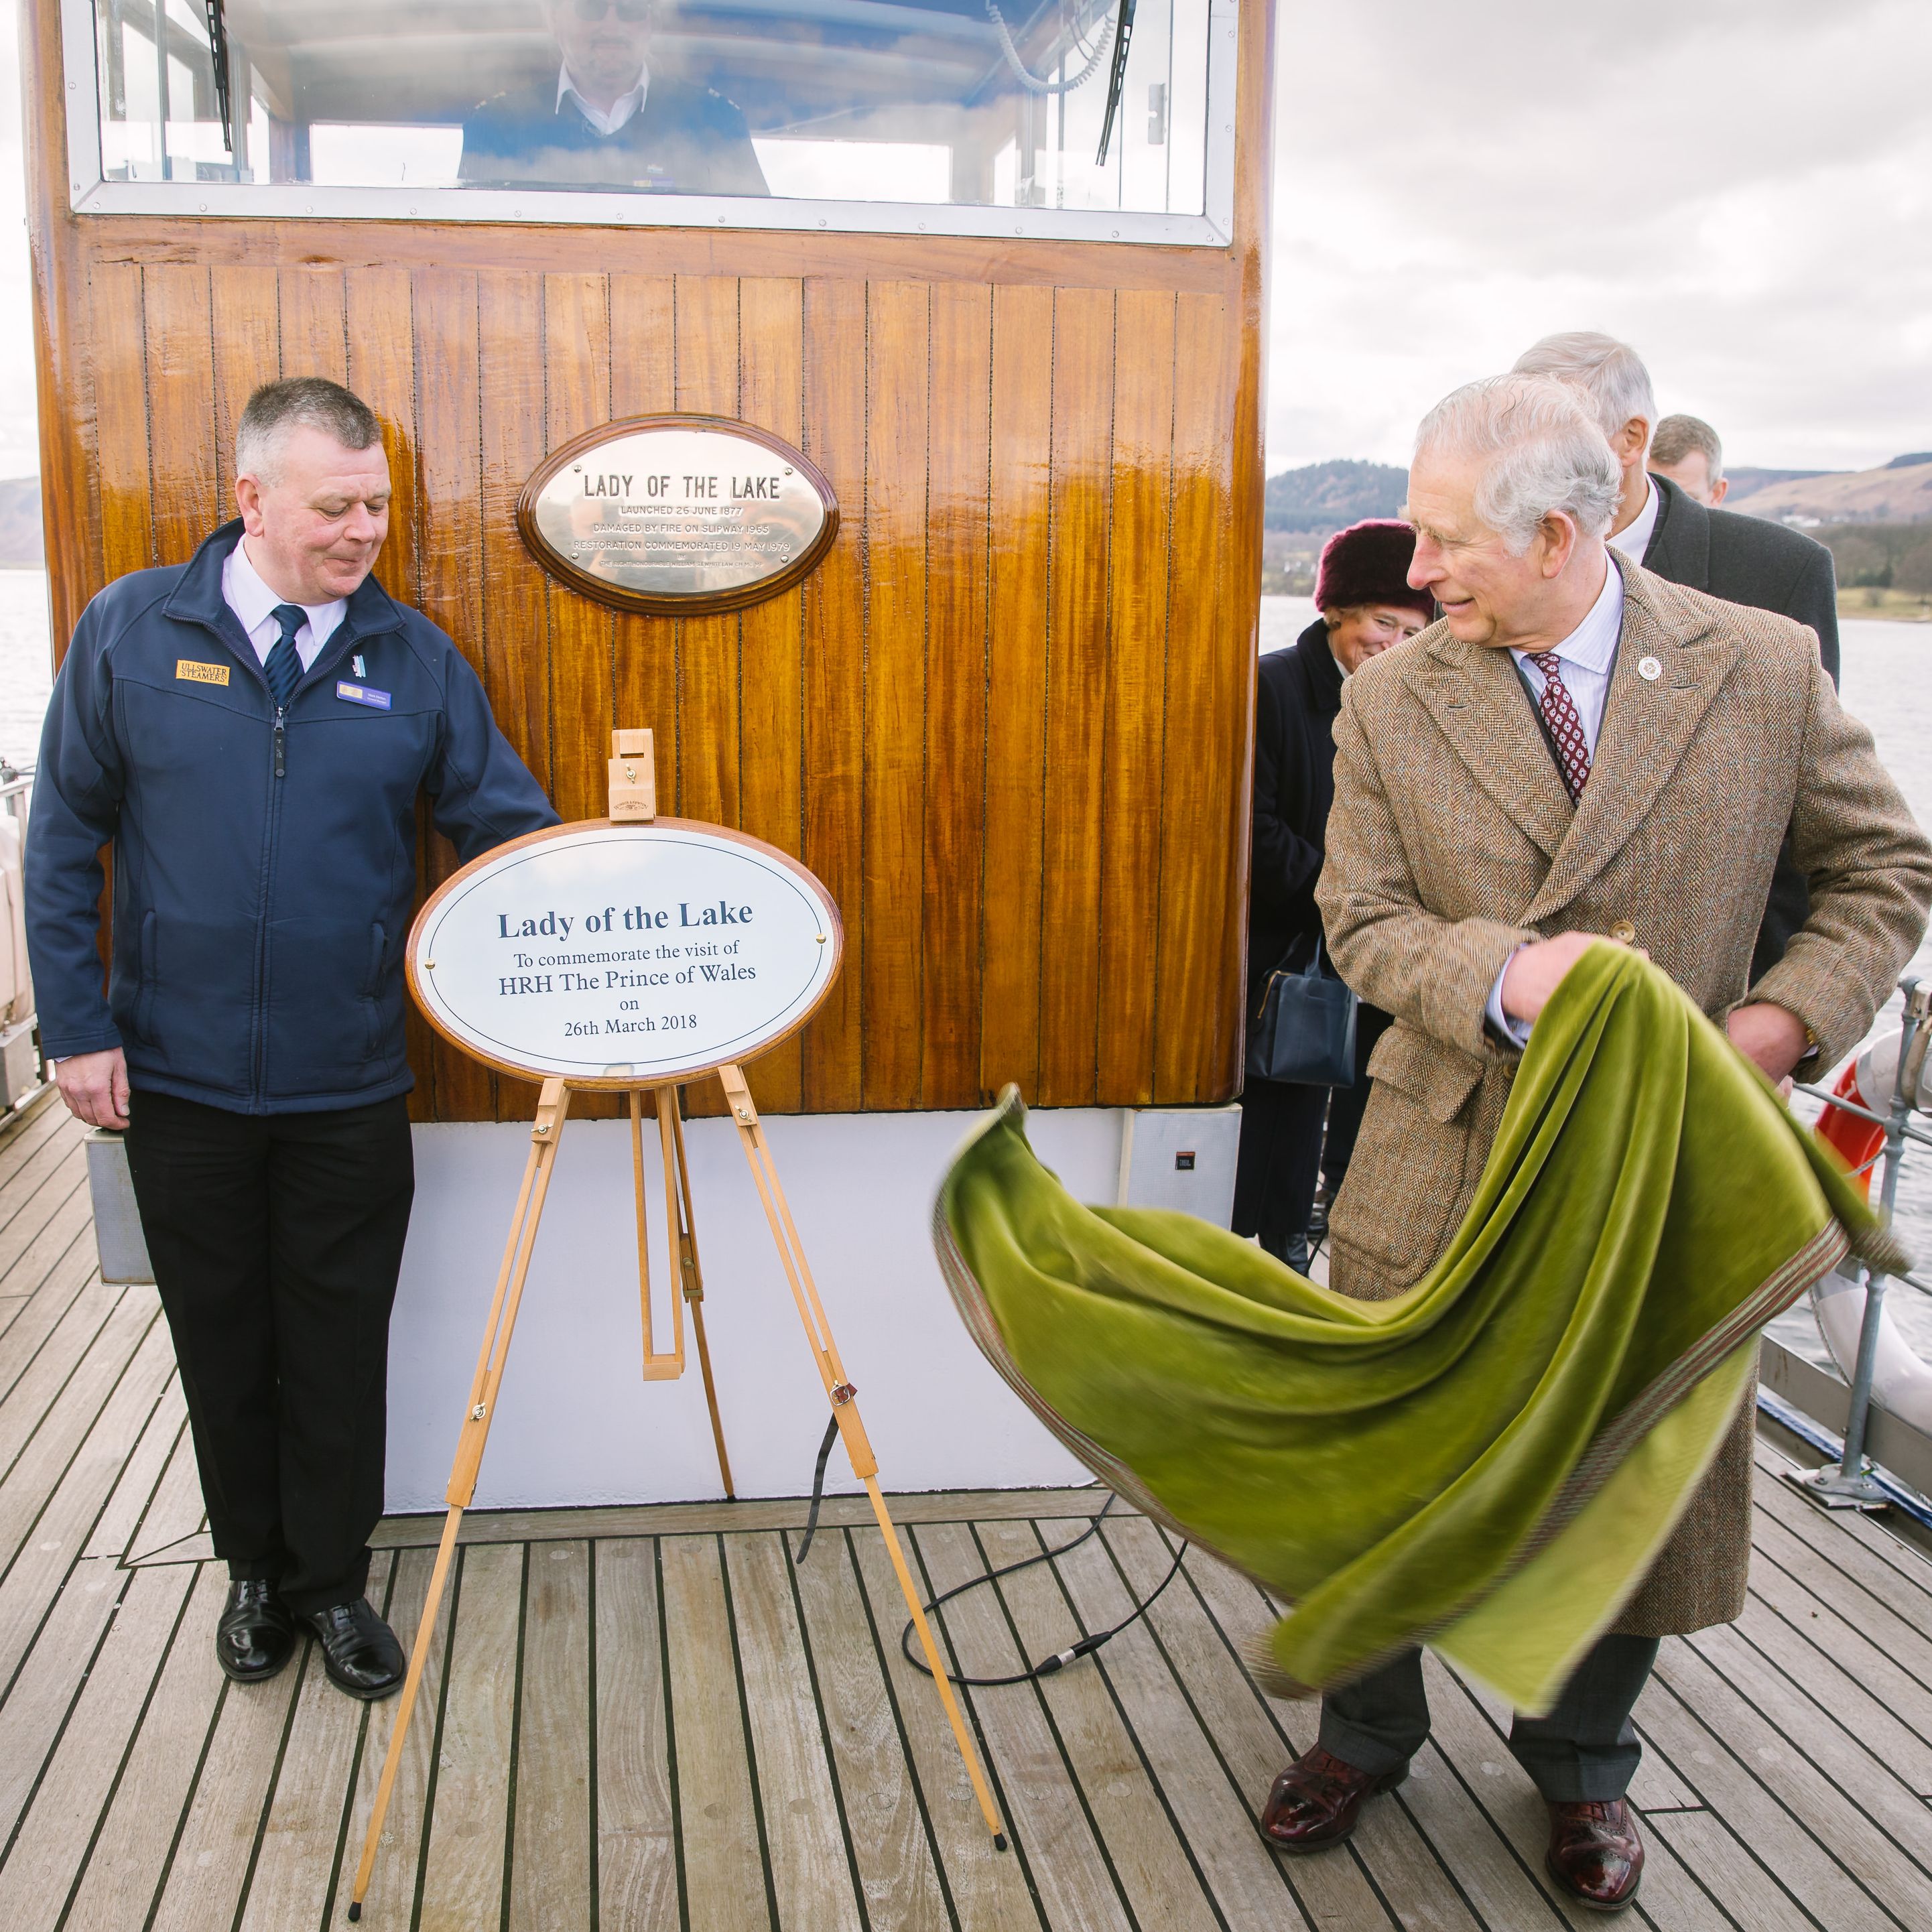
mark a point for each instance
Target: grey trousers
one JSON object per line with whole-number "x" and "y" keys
{"x": 1586, "y": 1749}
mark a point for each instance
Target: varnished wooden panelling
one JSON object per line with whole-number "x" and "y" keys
{"x": 706, "y": 382}
{"x": 181, "y": 406}
{"x": 1136, "y": 694}
{"x": 1080, "y": 500}
{"x": 771, "y": 718}
{"x": 1021, "y": 414}
{"x": 315, "y": 323}
{"x": 643, "y": 381}
{"x": 120, "y": 385}
{"x": 1007, "y": 718}
{"x": 897, "y": 341}
{"x": 245, "y": 308}
{"x": 1209, "y": 688}
{"x": 354, "y": 246}
{"x": 835, "y": 682}
{"x": 706, "y": 345}
{"x": 958, "y": 443}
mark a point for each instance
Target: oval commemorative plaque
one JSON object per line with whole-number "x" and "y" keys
{"x": 624, "y": 956}
{"x": 678, "y": 513}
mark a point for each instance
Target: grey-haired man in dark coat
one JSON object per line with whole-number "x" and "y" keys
{"x": 1743, "y": 560}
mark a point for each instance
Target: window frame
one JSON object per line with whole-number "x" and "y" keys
{"x": 90, "y": 194}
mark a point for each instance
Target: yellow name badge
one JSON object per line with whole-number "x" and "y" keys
{"x": 200, "y": 674}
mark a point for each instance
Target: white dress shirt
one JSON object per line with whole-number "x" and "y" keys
{"x": 621, "y": 109}
{"x": 1589, "y": 656}
{"x": 253, "y": 604}
{"x": 1634, "y": 538}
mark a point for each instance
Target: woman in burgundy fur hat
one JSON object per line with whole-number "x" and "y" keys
{"x": 1362, "y": 593}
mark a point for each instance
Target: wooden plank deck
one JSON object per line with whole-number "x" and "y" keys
{"x": 656, "y": 1718}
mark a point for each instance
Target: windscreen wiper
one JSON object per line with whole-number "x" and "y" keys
{"x": 217, "y": 49}
{"x": 1116, "y": 80}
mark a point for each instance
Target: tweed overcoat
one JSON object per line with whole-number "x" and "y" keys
{"x": 1453, "y": 841}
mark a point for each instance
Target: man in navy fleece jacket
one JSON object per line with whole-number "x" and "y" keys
{"x": 250, "y": 731}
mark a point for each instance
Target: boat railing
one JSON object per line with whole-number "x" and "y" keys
{"x": 1856, "y": 1481}
{"x": 21, "y": 1072}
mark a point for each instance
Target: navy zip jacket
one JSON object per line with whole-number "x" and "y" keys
{"x": 265, "y": 864}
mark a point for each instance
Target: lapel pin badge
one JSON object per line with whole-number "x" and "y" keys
{"x": 1649, "y": 669}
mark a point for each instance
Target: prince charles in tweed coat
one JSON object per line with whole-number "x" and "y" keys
{"x": 1454, "y": 841}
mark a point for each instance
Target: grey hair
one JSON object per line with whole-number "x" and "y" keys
{"x": 1544, "y": 453}
{"x": 1677, "y": 436}
{"x": 311, "y": 402}
{"x": 1610, "y": 374}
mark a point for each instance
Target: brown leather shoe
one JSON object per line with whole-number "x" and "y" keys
{"x": 1595, "y": 1855}
{"x": 1316, "y": 1801}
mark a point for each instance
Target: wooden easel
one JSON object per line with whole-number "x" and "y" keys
{"x": 633, "y": 798}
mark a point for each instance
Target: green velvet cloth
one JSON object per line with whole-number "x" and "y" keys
{"x": 1489, "y": 1461}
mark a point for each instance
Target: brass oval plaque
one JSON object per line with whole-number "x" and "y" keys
{"x": 678, "y": 514}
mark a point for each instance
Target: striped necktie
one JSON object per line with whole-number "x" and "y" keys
{"x": 1566, "y": 726}
{"x": 283, "y": 669}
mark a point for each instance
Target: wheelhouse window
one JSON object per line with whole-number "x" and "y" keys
{"x": 792, "y": 112}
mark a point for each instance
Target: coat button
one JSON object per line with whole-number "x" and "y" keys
{"x": 1623, "y": 932}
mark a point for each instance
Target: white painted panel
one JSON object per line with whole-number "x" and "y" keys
{"x": 576, "y": 1424}
{"x": 1182, "y": 1158}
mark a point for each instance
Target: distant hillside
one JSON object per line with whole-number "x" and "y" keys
{"x": 1747, "y": 481}
{"x": 1321, "y": 497}
{"x": 1900, "y": 492}
{"x": 20, "y": 523}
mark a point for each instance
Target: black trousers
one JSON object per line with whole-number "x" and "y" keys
{"x": 1276, "y": 1166}
{"x": 276, "y": 1241}
{"x": 1586, "y": 1747}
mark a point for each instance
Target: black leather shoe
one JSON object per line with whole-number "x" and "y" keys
{"x": 255, "y": 1634}
{"x": 359, "y": 1650}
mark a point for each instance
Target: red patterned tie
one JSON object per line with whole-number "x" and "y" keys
{"x": 1559, "y": 713}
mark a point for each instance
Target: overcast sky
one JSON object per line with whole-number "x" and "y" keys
{"x": 1742, "y": 188}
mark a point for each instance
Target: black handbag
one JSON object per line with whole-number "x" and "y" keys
{"x": 1305, "y": 1033}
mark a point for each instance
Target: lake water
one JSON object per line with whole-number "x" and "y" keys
{"x": 26, "y": 668}
{"x": 1887, "y": 682}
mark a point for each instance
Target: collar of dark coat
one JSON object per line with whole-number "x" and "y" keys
{"x": 1318, "y": 665}
{"x": 1680, "y": 545}
{"x": 1473, "y": 694}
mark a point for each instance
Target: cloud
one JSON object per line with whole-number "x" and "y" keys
{"x": 1741, "y": 188}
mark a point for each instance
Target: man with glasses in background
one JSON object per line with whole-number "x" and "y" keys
{"x": 609, "y": 119}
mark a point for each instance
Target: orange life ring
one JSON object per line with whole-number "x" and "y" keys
{"x": 1851, "y": 1136}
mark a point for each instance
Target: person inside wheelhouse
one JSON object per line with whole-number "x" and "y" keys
{"x": 609, "y": 119}
{"x": 1078, "y": 109}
